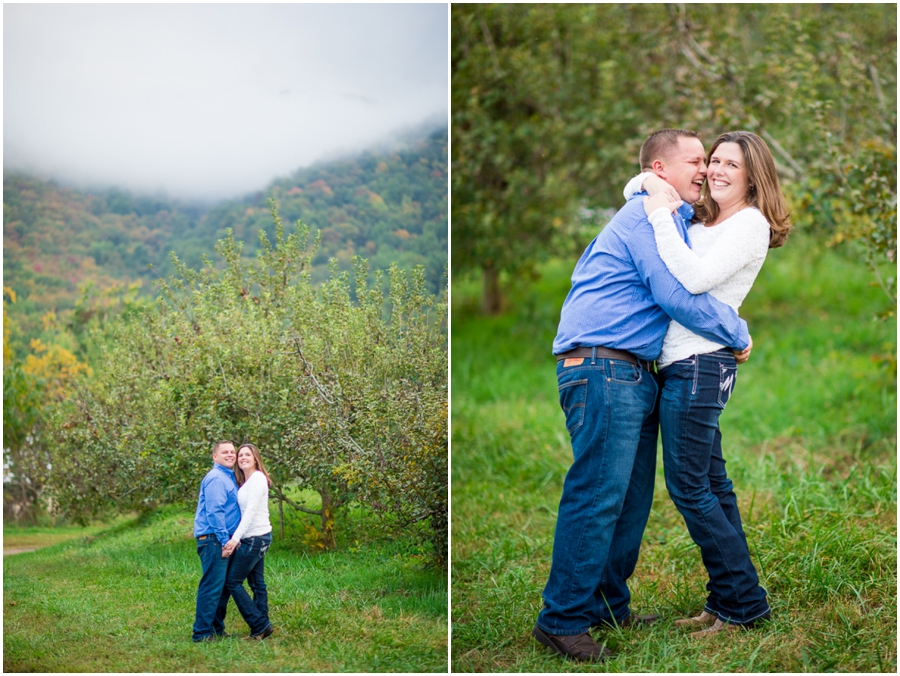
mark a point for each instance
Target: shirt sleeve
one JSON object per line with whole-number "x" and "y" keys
{"x": 702, "y": 314}
{"x": 741, "y": 243}
{"x": 636, "y": 185}
{"x": 216, "y": 499}
{"x": 257, "y": 492}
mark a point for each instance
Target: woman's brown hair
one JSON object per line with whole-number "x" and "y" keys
{"x": 764, "y": 190}
{"x": 239, "y": 473}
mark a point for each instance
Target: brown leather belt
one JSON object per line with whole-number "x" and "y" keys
{"x": 606, "y": 353}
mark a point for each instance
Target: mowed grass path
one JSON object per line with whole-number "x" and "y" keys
{"x": 810, "y": 440}
{"x": 123, "y": 600}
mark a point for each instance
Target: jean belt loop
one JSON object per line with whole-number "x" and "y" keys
{"x": 593, "y": 356}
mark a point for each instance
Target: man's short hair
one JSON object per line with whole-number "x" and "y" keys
{"x": 220, "y": 443}
{"x": 660, "y": 144}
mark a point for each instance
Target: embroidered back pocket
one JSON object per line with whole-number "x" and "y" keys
{"x": 727, "y": 376}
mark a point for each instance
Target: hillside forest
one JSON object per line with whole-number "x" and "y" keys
{"x": 68, "y": 252}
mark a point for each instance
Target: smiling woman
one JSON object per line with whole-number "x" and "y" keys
{"x": 727, "y": 179}
{"x": 747, "y": 158}
{"x": 249, "y": 543}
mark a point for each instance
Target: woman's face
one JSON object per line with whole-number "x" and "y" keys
{"x": 246, "y": 461}
{"x": 727, "y": 175}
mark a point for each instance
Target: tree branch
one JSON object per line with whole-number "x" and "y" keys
{"x": 873, "y": 74}
{"x": 281, "y": 496}
{"x": 490, "y": 44}
{"x": 310, "y": 374}
{"x": 338, "y": 421}
{"x": 680, "y": 19}
{"x": 127, "y": 493}
{"x": 223, "y": 374}
{"x": 781, "y": 151}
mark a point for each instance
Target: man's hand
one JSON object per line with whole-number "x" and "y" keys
{"x": 655, "y": 185}
{"x": 744, "y": 354}
{"x": 659, "y": 201}
{"x": 229, "y": 548}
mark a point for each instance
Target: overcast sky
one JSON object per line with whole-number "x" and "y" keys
{"x": 212, "y": 101}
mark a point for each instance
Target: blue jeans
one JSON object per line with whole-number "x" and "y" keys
{"x": 611, "y": 416}
{"x": 249, "y": 564}
{"x": 212, "y": 597}
{"x": 694, "y": 393}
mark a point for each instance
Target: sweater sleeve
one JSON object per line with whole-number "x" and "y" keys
{"x": 257, "y": 489}
{"x": 636, "y": 185}
{"x": 745, "y": 240}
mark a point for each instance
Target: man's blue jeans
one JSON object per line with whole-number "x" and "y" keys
{"x": 611, "y": 416}
{"x": 694, "y": 393}
{"x": 212, "y": 597}
{"x": 249, "y": 564}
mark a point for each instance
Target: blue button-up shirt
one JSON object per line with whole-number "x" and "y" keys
{"x": 217, "y": 507}
{"x": 623, "y": 295}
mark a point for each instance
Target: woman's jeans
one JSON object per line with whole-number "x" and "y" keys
{"x": 249, "y": 564}
{"x": 611, "y": 415}
{"x": 694, "y": 393}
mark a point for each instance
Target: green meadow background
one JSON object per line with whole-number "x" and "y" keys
{"x": 810, "y": 440}
{"x": 120, "y": 597}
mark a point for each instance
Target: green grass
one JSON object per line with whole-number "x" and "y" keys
{"x": 31, "y": 537}
{"x": 122, "y": 600}
{"x": 810, "y": 439}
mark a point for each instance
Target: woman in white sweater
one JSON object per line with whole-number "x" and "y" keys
{"x": 250, "y": 543}
{"x": 741, "y": 215}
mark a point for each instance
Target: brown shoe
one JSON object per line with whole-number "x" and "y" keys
{"x": 579, "y": 647}
{"x": 704, "y": 619}
{"x": 630, "y": 621}
{"x": 261, "y": 636}
{"x": 717, "y": 627}
{"x": 639, "y": 620}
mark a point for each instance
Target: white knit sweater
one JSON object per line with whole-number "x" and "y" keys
{"x": 253, "y": 499}
{"x": 723, "y": 259}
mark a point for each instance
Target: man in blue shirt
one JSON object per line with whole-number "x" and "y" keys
{"x": 215, "y": 521}
{"x": 612, "y": 327}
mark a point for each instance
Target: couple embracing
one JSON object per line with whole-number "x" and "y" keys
{"x": 233, "y": 533}
{"x": 649, "y": 342}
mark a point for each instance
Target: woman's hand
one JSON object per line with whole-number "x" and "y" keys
{"x": 229, "y": 548}
{"x": 655, "y": 185}
{"x": 659, "y": 201}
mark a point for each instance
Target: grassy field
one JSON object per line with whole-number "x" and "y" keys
{"x": 34, "y": 537}
{"x": 810, "y": 439}
{"x": 122, "y": 600}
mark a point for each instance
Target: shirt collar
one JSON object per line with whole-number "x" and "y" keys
{"x": 229, "y": 472}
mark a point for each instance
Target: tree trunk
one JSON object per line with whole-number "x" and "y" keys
{"x": 492, "y": 301}
{"x": 327, "y": 517}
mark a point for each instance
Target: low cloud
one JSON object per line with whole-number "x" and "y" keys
{"x": 212, "y": 101}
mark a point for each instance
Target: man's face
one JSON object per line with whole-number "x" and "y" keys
{"x": 224, "y": 455}
{"x": 685, "y": 168}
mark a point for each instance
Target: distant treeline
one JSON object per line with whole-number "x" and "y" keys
{"x": 387, "y": 206}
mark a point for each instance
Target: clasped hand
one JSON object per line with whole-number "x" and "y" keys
{"x": 661, "y": 200}
{"x": 229, "y": 548}
{"x": 661, "y": 195}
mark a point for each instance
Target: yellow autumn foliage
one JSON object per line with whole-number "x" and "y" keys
{"x": 55, "y": 365}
